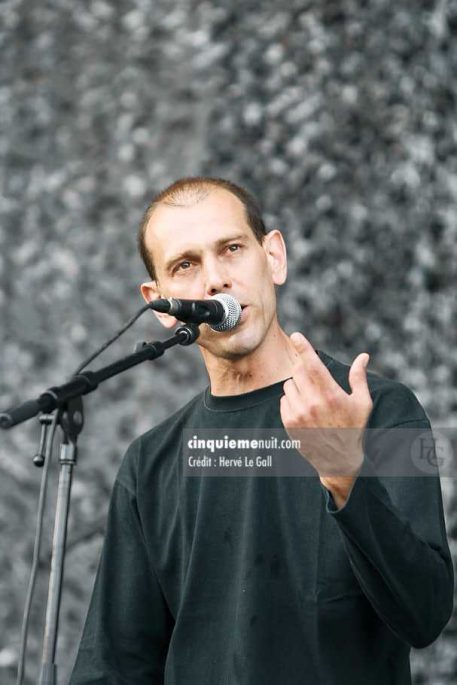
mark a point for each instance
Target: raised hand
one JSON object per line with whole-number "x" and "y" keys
{"x": 328, "y": 421}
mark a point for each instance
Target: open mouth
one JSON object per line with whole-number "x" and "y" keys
{"x": 243, "y": 315}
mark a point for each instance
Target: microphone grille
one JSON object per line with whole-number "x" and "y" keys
{"x": 232, "y": 312}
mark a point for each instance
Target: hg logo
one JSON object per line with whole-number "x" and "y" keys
{"x": 432, "y": 453}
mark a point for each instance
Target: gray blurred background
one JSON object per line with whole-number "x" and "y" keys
{"x": 339, "y": 116}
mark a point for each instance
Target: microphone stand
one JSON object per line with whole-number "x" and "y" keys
{"x": 67, "y": 399}
{"x": 71, "y": 421}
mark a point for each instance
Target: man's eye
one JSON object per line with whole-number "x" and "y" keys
{"x": 236, "y": 245}
{"x": 181, "y": 265}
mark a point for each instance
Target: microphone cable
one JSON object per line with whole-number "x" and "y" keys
{"x": 113, "y": 339}
{"x": 36, "y": 551}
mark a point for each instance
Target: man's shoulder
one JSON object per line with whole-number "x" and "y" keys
{"x": 146, "y": 449}
{"x": 394, "y": 403}
{"x": 173, "y": 422}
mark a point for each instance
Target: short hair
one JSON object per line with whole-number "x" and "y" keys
{"x": 192, "y": 189}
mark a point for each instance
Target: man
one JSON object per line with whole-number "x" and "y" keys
{"x": 252, "y": 580}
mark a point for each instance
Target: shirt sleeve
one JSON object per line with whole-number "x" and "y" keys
{"x": 393, "y": 526}
{"x": 393, "y": 530}
{"x": 128, "y": 626}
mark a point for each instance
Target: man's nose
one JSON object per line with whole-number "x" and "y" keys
{"x": 217, "y": 279}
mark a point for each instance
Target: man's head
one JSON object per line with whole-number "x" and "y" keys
{"x": 191, "y": 190}
{"x": 198, "y": 238}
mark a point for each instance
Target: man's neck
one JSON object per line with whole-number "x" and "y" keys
{"x": 270, "y": 363}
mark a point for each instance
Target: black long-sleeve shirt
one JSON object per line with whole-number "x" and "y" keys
{"x": 262, "y": 580}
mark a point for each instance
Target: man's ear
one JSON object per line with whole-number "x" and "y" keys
{"x": 275, "y": 249}
{"x": 151, "y": 291}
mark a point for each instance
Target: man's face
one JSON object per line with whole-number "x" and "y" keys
{"x": 207, "y": 248}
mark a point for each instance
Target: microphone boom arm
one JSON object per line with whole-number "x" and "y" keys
{"x": 86, "y": 382}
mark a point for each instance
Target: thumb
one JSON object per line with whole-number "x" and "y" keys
{"x": 358, "y": 374}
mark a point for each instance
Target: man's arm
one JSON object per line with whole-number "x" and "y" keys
{"x": 128, "y": 626}
{"x": 394, "y": 534}
{"x": 393, "y": 528}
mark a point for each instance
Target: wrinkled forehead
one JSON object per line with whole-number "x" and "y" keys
{"x": 192, "y": 226}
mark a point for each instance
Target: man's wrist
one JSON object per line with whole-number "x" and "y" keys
{"x": 340, "y": 488}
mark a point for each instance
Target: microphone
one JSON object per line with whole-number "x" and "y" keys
{"x": 222, "y": 312}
